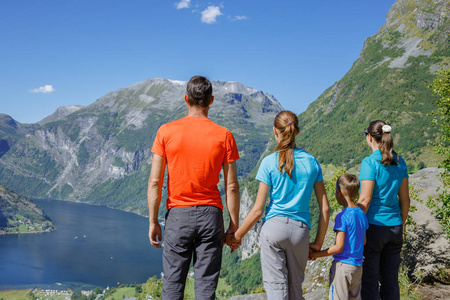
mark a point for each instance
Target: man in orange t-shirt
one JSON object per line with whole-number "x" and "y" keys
{"x": 195, "y": 150}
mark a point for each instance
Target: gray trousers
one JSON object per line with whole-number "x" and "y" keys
{"x": 284, "y": 253}
{"x": 192, "y": 233}
{"x": 345, "y": 281}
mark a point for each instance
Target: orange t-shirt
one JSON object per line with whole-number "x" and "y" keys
{"x": 195, "y": 148}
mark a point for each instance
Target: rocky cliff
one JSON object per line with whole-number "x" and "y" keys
{"x": 426, "y": 251}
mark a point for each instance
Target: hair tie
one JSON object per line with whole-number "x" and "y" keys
{"x": 289, "y": 123}
{"x": 386, "y": 128}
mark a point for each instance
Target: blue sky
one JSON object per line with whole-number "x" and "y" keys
{"x": 62, "y": 52}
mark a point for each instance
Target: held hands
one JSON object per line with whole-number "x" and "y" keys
{"x": 231, "y": 241}
{"x": 313, "y": 251}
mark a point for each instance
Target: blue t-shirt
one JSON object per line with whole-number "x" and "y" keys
{"x": 352, "y": 221}
{"x": 290, "y": 197}
{"x": 384, "y": 209}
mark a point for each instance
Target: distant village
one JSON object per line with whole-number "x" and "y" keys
{"x": 22, "y": 225}
{"x": 96, "y": 294}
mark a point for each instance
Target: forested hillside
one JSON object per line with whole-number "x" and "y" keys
{"x": 389, "y": 81}
{"x": 19, "y": 214}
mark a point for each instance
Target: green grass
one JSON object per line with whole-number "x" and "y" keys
{"x": 429, "y": 157}
{"x": 23, "y": 228}
{"x": 15, "y": 295}
{"x": 123, "y": 292}
{"x": 408, "y": 290}
{"x": 222, "y": 290}
{"x": 328, "y": 171}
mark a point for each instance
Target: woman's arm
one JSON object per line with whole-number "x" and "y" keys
{"x": 403, "y": 195}
{"x": 255, "y": 214}
{"x": 321, "y": 195}
{"x": 366, "y": 194}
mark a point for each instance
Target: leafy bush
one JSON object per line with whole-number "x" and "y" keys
{"x": 441, "y": 204}
{"x": 420, "y": 165}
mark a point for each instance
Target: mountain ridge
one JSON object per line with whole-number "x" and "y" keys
{"x": 101, "y": 152}
{"x": 388, "y": 81}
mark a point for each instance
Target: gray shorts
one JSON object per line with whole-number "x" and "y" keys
{"x": 192, "y": 233}
{"x": 284, "y": 253}
{"x": 345, "y": 281}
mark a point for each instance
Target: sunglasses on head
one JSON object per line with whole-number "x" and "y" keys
{"x": 366, "y": 132}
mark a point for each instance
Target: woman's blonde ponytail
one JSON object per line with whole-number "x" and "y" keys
{"x": 286, "y": 123}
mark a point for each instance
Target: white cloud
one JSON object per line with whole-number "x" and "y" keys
{"x": 46, "y": 89}
{"x": 183, "y": 4}
{"x": 239, "y": 18}
{"x": 210, "y": 14}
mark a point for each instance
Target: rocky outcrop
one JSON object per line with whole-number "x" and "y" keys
{"x": 250, "y": 245}
{"x": 317, "y": 272}
{"x": 60, "y": 113}
{"x": 426, "y": 252}
{"x": 249, "y": 297}
{"x": 411, "y": 19}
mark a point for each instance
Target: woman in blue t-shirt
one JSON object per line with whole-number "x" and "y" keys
{"x": 289, "y": 175}
{"x": 385, "y": 199}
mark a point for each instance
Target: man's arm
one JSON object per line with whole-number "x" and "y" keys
{"x": 155, "y": 183}
{"x": 232, "y": 195}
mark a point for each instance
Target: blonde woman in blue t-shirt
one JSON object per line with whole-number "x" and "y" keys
{"x": 385, "y": 199}
{"x": 289, "y": 175}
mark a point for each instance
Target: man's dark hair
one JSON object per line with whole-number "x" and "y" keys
{"x": 199, "y": 91}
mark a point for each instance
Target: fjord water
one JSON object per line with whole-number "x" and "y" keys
{"x": 92, "y": 246}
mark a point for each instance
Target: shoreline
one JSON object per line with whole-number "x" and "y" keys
{"x": 30, "y": 232}
{"x": 57, "y": 286}
{"x": 89, "y": 203}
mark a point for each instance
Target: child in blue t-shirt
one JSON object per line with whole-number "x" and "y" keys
{"x": 350, "y": 227}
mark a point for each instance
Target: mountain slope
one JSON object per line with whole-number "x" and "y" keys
{"x": 101, "y": 153}
{"x": 388, "y": 81}
{"x": 20, "y": 215}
